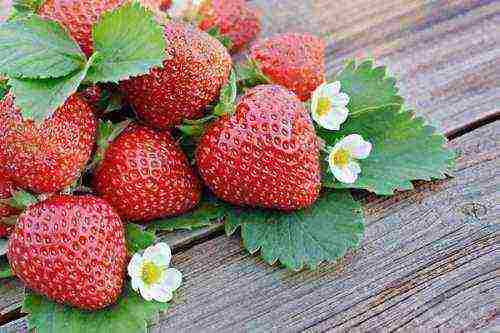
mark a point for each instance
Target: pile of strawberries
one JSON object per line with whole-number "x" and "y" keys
{"x": 71, "y": 247}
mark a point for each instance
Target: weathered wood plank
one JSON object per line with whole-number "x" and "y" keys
{"x": 427, "y": 261}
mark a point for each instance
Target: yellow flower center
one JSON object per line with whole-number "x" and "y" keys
{"x": 341, "y": 158}
{"x": 151, "y": 273}
{"x": 324, "y": 106}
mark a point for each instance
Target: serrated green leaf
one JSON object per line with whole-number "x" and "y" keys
{"x": 27, "y": 6}
{"x": 368, "y": 87}
{"x": 404, "y": 149}
{"x": 39, "y": 99}
{"x": 130, "y": 314}
{"x": 128, "y": 42}
{"x": 35, "y": 48}
{"x": 305, "y": 238}
{"x": 138, "y": 238}
{"x": 223, "y": 39}
{"x": 207, "y": 213}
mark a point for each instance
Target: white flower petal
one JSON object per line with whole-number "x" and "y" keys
{"x": 354, "y": 167}
{"x": 341, "y": 99}
{"x": 325, "y": 122}
{"x": 160, "y": 294}
{"x": 331, "y": 89}
{"x": 137, "y": 283}
{"x": 160, "y": 254}
{"x": 344, "y": 175}
{"x": 362, "y": 151}
{"x": 135, "y": 265}
{"x": 146, "y": 293}
{"x": 173, "y": 279}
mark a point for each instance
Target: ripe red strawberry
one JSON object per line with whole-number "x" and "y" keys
{"x": 78, "y": 16}
{"x": 189, "y": 81}
{"x": 235, "y": 19}
{"x": 295, "y": 61}
{"x": 70, "y": 249}
{"x": 265, "y": 155}
{"x": 145, "y": 175}
{"x": 6, "y": 191}
{"x": 49, "y": 156}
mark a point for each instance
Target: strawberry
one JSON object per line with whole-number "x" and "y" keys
{"x": 235, "y": 19}
{"x": 78, "y": 16}
{"x": 48, "y": 156}
{"x": 6, "y": 191}
{"x": 295, "y": 61}
{"x": 144, "y": 175}
{"x": 265, "y": 155}
{"x": 70, "y": 249}
{"x": 191, "y": 78}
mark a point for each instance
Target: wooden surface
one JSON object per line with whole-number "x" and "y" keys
{"x": 427, "y": 261}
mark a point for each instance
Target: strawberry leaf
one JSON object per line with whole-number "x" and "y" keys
{"x": 131, "y": 314}
{"x": 404, "y": 149}
{"x": 305, "y": 238}
{"x": 27, "y": 6}
{"x": 39, "y": 99}
{"x": 35, "y": 48}
{"x": 368, "y": 87}
{"x": 249, "y": 74}
{"x": 138, "y": 238}
{"x": 128, "y": 42}
{"x": 207, "y": 213}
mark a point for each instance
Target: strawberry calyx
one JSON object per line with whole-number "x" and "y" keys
{"x": 225, "y": 106}
{"x": 249, "y": 74}
{"x": 225, "y": 40}
{"x": 107, "y": 132}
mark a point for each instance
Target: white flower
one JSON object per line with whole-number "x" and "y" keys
{"x": 184, "y": 8}
{"x": 343, "y": 156}
{"x": 329, "y": 106}
{"x": 151, "y": 276}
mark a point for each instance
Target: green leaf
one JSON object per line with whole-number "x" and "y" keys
{"x": 22, "y": 199}
{"x": 138, "y": 238}
{"x": 249, "y": 75}
{"x": 368, "y": 87}
{"x": 35, "y": 48}
{"x": 404, "y": 149}
{"x": 224, "y": 40}
{"x": 227, "y": 97}
{"x": 5, "y": 271}
{"x": 107, "y": 132}
{"x": 305, "y": 238}
{"x": 130, "y": 314}
{"x": 39, "y": 99}
{"x": 205, "y": 214}
{"x": 128, "y": 42}
{"x": 4, "y": 88}
{"x": 27, "y": 6}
